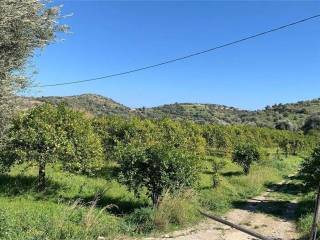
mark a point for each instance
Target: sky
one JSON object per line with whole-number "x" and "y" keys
{"x": 108, "y": 37}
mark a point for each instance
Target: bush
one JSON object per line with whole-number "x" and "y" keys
{"x": 245, "y": 155}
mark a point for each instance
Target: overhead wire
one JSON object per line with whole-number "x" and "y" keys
{"x": 182, "y": 57}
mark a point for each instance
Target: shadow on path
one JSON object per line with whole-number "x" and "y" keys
{"x": 281, "y": 209}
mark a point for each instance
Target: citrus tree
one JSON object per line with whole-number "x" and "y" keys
{"x": 157, "y": 168}
{"x": 48, "y": 134}
{"x": 245, "y": 155}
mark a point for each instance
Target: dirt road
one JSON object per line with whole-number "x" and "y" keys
{"x": 264, "y": 214}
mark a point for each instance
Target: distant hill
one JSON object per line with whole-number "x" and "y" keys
{"x": 90, "y": 103}
{"x": 197, "y": 112}
{"x": 293, "y": 113}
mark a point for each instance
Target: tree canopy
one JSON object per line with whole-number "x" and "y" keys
{"x": 48, "y": 134}
{"x": 24, "y": 27}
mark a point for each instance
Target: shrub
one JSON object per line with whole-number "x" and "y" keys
{"x": 245, "y": 155}
{"x": 157, "y": 168}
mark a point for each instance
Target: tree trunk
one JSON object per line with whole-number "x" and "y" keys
{"x": 42, "y": 176}
{"x": 155, "y": 199}
{"x": 246, "y": 170}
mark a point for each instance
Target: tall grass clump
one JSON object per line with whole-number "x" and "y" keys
{"x": 174, "y": 210}
{"x": 178, "y": 209}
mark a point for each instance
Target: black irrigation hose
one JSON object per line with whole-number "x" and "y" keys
{"x": 238, "y": 227}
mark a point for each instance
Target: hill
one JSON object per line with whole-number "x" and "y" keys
{"x": 293, "y": 114}
{"x": 90, "y": 103}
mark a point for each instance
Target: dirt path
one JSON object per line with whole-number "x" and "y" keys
{"x": 264, "y": 214}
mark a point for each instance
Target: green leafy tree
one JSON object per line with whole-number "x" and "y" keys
{"x": 245, "y": 155}
{"x": 310, "y": 168}
{"x": 84, "y": 153}
{"x": 157, "y": 168}
{"x": 48, "y": 134}
{"x": 24, "y": 27}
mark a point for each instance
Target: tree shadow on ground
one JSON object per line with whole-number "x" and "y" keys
{"x": 20, "y": 184}
{"x": 281, "y": 209}
{"x": 288, "y": 188}
{"x": 232, "y": 174}
{"x": 115, "y": 205}
{"x": 108, "y": 172}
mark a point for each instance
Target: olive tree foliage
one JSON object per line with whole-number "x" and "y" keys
{"x": 310, "y": 169}
{"x": 25, "y": 25}
{"x": 245, "y": 155}
{"x": 48, "y": 134}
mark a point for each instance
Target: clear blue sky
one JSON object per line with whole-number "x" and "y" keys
{"x": 113, "y": 36}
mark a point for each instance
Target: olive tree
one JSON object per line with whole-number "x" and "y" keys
{"x": 24, "y": 27}
{"x": 157, "y": 168}
{"x": 48, "y": 134}
{"x": 245, "y": 155}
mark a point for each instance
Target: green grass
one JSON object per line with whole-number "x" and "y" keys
{"x": 28, "y": 219}
{"x": 80, "y": 207}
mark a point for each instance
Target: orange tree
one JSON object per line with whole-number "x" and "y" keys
{"x": 48, "y": 134}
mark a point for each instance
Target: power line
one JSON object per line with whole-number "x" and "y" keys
{"x": 180, "y": 58}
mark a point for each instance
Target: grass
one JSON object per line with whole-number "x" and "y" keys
{"x": 80, "y": 207}
{"x": 26, "y": 219}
